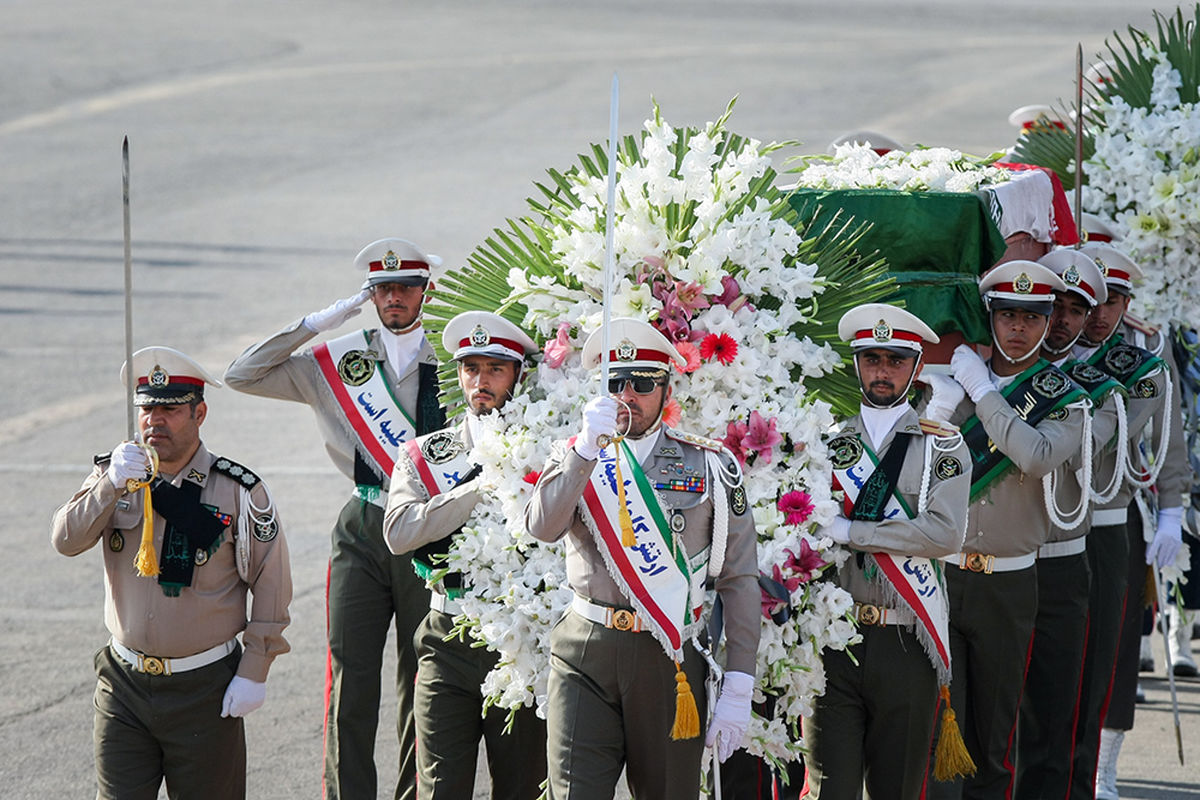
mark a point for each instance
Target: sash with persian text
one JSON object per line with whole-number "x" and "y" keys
{"x": 358, "y": 383}
{"x": 653, "y": 573}
{"x": 1126, "y": 363}
{"x": 915, "y": 581}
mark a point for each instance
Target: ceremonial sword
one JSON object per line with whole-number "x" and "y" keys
{"x": 1079, "y": 146}
{"x": 1161, "y": 592}
{"x": 604, "y": 440}
{"x": 130, "y": 426}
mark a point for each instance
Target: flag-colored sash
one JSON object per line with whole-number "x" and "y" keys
{"x": 1035, "y": 394}
{"x": 915, "y": 581}
{"x": 440, "y": 460}
{"x": 654, "y": 572}
{"x": 361, "y": 390}
{"x": 1126, "y": 363}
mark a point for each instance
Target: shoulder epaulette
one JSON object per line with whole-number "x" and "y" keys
{"x": 694, "y": 439}
{"x": 935, "y": 428}
{"x": 102, "y": 458}
{"x": 1141, "y": 325}
{"x": 235, "y": 471}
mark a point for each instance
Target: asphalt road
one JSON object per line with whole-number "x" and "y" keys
{"x": 271, "y": 140}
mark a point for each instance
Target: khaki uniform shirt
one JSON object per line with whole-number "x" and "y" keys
{"x": 213, "y": 609}
{"x": 1010, "y": 518}
{"x": 269, "y": 369}
{"x": 553, "y": 512}
{"x": 936, "y": 532}
{"x": 413, "y": 519}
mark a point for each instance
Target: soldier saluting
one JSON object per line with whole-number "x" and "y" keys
{"x": 372, "y": 391}
{"x": 1023, "y": 419}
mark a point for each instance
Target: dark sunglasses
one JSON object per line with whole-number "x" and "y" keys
{"x": 640, "y": 385}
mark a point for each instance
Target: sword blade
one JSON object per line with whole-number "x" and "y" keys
{"x": 605, "y": 344}
{"x": 1160, "y": 591}
{"x": 129, "y": 415}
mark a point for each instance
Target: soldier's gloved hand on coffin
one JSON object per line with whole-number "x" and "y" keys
{"x": 971, "y": 372}
{"x": 947, "y": 394}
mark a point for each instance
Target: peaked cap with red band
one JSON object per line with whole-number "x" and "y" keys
{"x": 1078, "y": 272}
{"x": 1097, "y": 229}
{"x": 882, "y": 325}
{"x": 1026, "y": 117}
{"x": 482, "y": 333}
{"x": 1021, "y": 284}
{"x": 636, "y": 347}
{"x": 166, "y": 377}
{"x": 395, "y": 261}
{"x": 1119, "y": 270}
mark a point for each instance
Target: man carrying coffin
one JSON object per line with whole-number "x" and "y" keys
{"x": 906, "y": 482}
{"x": 1131, "y": 353}
{"x": 433, "y": 493}
{"x": 1046, "y": 731}
{"x": 1023, "y": 419}
{"x": 626, "y": 686}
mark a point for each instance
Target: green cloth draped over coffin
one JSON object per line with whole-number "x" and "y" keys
{"x": 936, "y": 245}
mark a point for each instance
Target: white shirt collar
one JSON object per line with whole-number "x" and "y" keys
{"x": 642, "y": 447}
{"x": 878, "y": 422}
{"x": 401, "y": 348}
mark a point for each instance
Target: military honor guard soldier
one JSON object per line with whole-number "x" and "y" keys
{"x": 906, "y": 483}
{"x": 626, "y": 686}
{"x": 434, "y": 490}
{"x": 1133, "y": 354}
{"x": 1046, "y": 731}
{"x": 1023, "y": 419}
{"x": 371, "y": 390}
{"x": 185, "y": 535}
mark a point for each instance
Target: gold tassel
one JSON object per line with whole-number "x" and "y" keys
{"x": 687, "y": 717}
{"x": 146, "y": 560}
{"x": 628, "y": 538}
{"x": 951, "y": 758}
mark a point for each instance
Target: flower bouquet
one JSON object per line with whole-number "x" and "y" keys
{"x": 707, "y": 249}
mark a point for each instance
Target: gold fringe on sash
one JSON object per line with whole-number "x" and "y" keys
{"x": 951, "y": 759}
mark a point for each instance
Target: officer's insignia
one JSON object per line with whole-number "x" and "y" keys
{"x": 354, "y": 368}
{"x": 265, "y": 528}
{"x": 225, "y": 519}
{"x": 1049, "y": 384}
{"x": 1121, "y": 359}
{"x": 236, "y": 471}
{"x": 845, "y": 451}
{"x": 626, "y": 350}
{"x": 1086, "y": 373}
{"x": 737, "y": 500}
{"x": 1057, "y": 414}
{"x": 678, "y": 523}
{"x": 440, "y": 447}
{"x": 882, "y": 332}
{"x": 390, "y": 260}
{"x": 201, "y": 557}
{"x": 158, "y": 377}
{"x": 1070, "y": 276}
{"x": 116, "y": 541}
{"x": 196, "y": 476}
{"x": 1023, "y": 284}
{"x": 1145, "y": 389}
{"x": 480, "y": 337}
{"x": 947, "y": 467}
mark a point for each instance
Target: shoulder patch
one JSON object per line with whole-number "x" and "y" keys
{"x": 1145, "y": 389}
{"x": 947, "y": 467}
{"x": 694, "y": 439}
{"x": 737, "y": 500}
{"x": 1058, "y": 414}
{"x": 934, "y": 428}
{"x": 236, "y": 472}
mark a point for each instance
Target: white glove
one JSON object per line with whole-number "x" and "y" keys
{"x": 838, "y": 530}
{"x": 969, "y": 370}
{"x": 1162, "y": 550}
{"x": 129, "y": 460}
{"x": 599, "y": 419}
{"x": 731, "y": 717}
{"x": 947, "y": 394}
{"x": 333, "y": 316}
{"x": 243, "y": 696}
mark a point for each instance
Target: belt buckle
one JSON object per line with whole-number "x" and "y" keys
{"x": 152, "y": 665}
{"x": 622, "y": 619}
{"x": 869, "y": 614}
{"x": 977, "y": 562}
